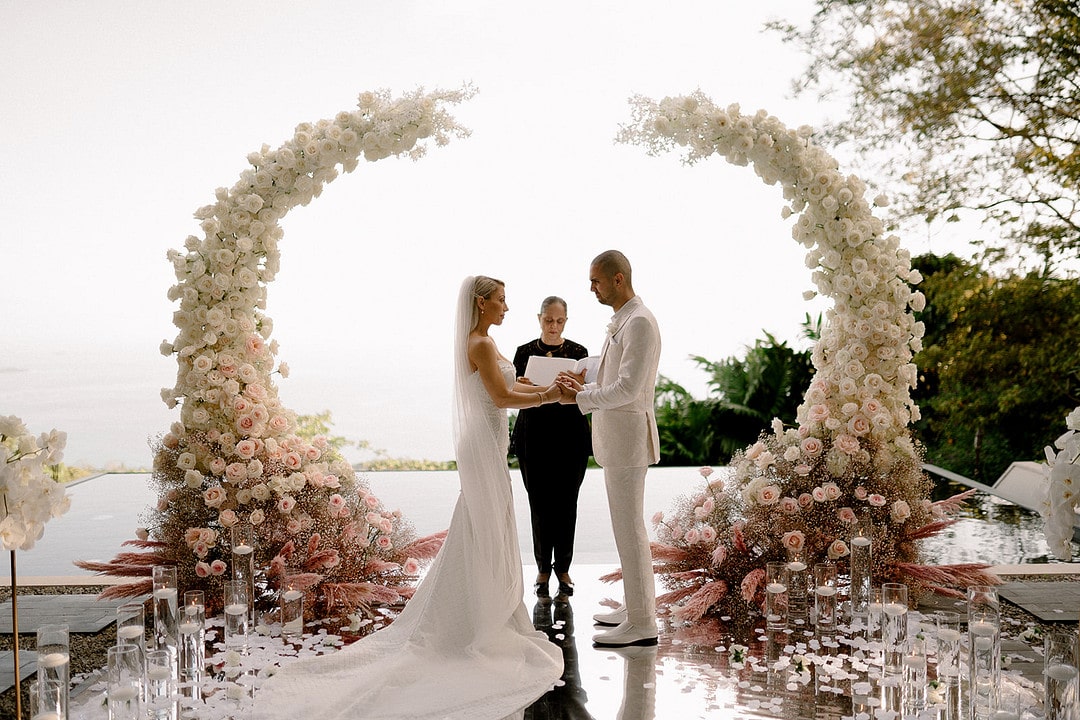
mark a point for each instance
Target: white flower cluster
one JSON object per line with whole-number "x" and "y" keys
{"x": 29, "y": 497}
{"x": 864, "y": 372}
{"x": 1059, "y": 507}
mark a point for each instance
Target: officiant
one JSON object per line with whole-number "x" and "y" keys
{"x": 552, "y": 443}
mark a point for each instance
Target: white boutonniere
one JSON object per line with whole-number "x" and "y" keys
{"x": 612, "y": 328}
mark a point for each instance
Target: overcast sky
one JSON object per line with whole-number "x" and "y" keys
{"x": 120, "y": 119}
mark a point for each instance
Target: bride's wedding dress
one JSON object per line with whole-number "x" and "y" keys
{"x": 464, "y": 646}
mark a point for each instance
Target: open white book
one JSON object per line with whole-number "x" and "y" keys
{"x": 542, "y": 370}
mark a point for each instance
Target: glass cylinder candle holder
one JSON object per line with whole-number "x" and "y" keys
{"x": 243, "y": 560}
{"x": 894, "y": 619}
{"x": 292, "y": 608}
{"x": 44, "y": 697}
{"x": 124, "y": 683}
{"x": 160, "y": 688}
{"x": 984, "y": 648}
{"x": 825, "y": 589}
{"x": 776, "y": 586}
{"x": 166, "y": 601}
{"x": 798, "y": 588}
{"x": 131, "y": 627}
{"x": 1062, "y": 682}
{"x": 915, "y": 679}
{"x": 861, "y": 561}
{"x": 237, "y": 616}
{"x": 948, "y": 647}
{"x": 873, "y": 619}
{"x": 192, "y": 660}
{"x": 54, "y": 668}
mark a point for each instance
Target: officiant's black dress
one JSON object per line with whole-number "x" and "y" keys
{"x": 552, "y": 443}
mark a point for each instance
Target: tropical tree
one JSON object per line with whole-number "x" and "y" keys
{"x": 999, "y": 369}
{"x": 744, "y": 397}
{"x": 973, "y": 105}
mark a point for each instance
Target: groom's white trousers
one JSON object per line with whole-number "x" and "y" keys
{"x": 626, "y": 500}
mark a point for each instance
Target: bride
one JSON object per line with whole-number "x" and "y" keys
{"x": 464, "y": 646}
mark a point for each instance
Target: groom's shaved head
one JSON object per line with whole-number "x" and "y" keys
{"x": 611, "y": 262}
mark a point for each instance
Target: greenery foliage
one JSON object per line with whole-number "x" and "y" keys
{"x": 744, "y": 396}
{"x": 999, "y": 369}
{"x": 974, "y": 103}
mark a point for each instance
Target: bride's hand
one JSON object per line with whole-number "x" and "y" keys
{"x": 569, "y": 387}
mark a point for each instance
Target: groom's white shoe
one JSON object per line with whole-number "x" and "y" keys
{"x": 613, "y": 618}
{"x": 625, "y": 635}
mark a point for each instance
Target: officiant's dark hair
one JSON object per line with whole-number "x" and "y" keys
{"x": 611, "y": 262}
{"x": 483, "y": 286}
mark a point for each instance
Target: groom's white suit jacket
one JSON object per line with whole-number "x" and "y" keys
{"x": 622, "y": 398}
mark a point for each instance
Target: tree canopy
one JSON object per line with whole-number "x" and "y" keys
{"x": 973, "y": 107}
{"x": 999, "y": 369}
{"x": 744, "y": 396}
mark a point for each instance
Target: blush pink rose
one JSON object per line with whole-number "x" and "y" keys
{"x": 768, "y": 495}
{"x": 227, "y": 518}
{"x": 192, "y": 536}
{"x": 371, "y": 501}
{"x": 236, "y": 472}
{"x": 286, "y": 504}
{"x": 806, "y": 500}
{"x": 838, "y": 549}
{"x": 218, "y": 567}
{"x": 411, "y": 567}
{"x": 384, "y": 542}
{"x": 293, "y": 526}
{"x": 846, "y": 515}
{"x": 900, "y": 511}
{"x": 218, "y": 465}
{"x": 876, "y": 500}
{"x": 812, "y": 446}
{"x": 705, "y": 471}
{"x": 202, "y": 569}
{"x": 246, "y": 449}
{"x": 794, "y": 540}
{"x": 292, "y": 460}
{"x": 789, "y": 505}
{"x": 336, "y": 503}
{"x": 860, "y": 492}
{"x": 832, "y": 491}
{"x": 846, "y": 444}
{"x": 214, "y": 496}
{"x": 819, "y": 495}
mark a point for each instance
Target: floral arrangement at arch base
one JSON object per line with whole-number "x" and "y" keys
{"x": 234, "y": 455}
{"x": 1062, "y": 501}
{"x": 850, "y": 458}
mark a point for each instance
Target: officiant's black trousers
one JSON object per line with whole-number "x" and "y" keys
{"x": 553, "y": 483}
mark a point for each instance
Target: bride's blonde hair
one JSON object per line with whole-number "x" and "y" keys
{"x": 483, "y": 287}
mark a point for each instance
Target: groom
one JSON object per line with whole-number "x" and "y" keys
{"x": 625, "y": 440}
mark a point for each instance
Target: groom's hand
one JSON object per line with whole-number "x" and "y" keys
{"x": 569, "y": 386}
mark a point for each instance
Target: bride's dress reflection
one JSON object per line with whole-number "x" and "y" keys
{"x": 566, "y": 701}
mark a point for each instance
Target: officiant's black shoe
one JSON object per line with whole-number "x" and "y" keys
{"x": 541, "y": 587}
{"x": 566, "y": 585}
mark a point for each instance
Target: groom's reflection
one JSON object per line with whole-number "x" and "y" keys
{"x": 567, "y": 701}
{"x": 639, "y": 682}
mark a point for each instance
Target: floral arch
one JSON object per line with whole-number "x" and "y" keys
{"x": 850, "y": 458}
{"x": 234, "y": 455}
